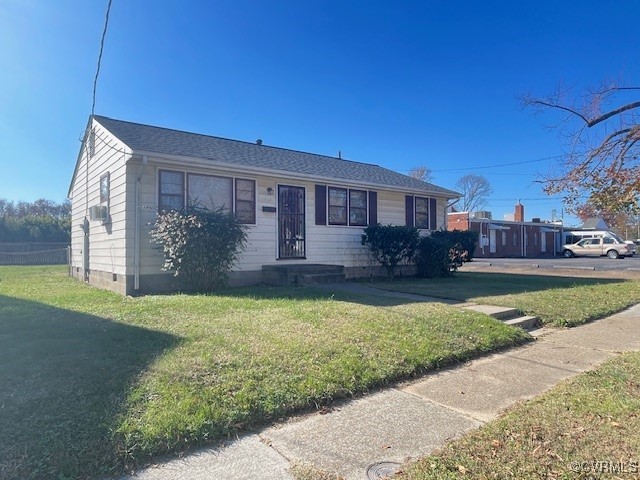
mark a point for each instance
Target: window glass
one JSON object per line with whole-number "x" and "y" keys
{"x": 210, "y": 192}
{"x": 357, "y": 207}
{"x": 171, "y": 195}
{"x": 337, "y": 206}
{"x": 246, "y": 201}
{"x": 104, "y": 188}
{"x": 422, "y": 212}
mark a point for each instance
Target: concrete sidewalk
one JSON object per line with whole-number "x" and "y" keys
{"x": 376, "y": 432}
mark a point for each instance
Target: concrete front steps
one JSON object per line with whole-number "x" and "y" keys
{"x": 510, "y": 316}
{"x": 302, "y": 274}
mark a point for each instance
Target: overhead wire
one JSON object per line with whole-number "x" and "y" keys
{"x": 95, "y": 80}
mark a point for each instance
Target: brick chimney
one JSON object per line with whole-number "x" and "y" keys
{"x": 519, "y": 214}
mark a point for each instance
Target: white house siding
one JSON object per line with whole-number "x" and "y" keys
{"x": 107, "y": 253}
{"x": 324, "y": 243}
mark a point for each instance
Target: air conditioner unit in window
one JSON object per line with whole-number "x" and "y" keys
{"x": 98, "y": 213}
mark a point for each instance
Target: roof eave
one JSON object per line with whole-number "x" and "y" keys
{"x": 207, "y": 162}
{"x": 75, "y": 170}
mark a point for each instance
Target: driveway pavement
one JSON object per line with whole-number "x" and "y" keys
{"x": 375, "y": 433}
{"x": 627, "y": 267}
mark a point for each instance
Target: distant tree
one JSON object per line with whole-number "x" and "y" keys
{"x": 601, "y": 130}
{"x": 474, "y": 189}
{"x": 421, "y": 173}
{"x": 40, "y": 221}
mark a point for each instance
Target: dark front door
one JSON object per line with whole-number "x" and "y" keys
{"x": 291, "y": 242}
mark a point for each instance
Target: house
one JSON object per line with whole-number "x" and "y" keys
{"x": 509, "y": 238}
{"x": 300, "y": 208}
{"x": 594, "y": 223}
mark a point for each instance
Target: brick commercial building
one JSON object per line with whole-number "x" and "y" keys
{"x": 509, "y": 238}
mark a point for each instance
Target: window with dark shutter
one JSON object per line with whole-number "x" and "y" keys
{"x": 358, "y": 208}
{"x": 422, "y": 212}
{"x": 408, "y": 209}
{"x": 433, "y": 214}
{"x": 373, "y": 208}
{"x": 321, "y": 204}
{"x": 338, "y": 206}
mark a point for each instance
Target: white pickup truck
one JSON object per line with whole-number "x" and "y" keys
{"x": 597, "y": 247}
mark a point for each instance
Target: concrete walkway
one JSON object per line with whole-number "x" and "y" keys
{"x": 376, "y": 431}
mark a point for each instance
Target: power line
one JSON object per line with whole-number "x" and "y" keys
{"x": 95, "y": 80}
{"x": 498, "y": 164}
{"x": 461, "y": 169}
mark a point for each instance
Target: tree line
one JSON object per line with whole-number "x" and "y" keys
{"x": 39, "y": 221}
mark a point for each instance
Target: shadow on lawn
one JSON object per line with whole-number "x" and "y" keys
{"x": 65, "y": 376}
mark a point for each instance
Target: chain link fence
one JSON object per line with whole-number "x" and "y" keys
{"x": 34, "y": 253}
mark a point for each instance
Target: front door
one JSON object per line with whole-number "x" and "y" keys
{"x": 291, "y": 222}
{"x": 492, "y": 241}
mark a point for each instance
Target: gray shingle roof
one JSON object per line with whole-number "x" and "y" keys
{"x": 147, "y": 138}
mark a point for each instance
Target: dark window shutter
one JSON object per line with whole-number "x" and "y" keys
{"x": 408, "y": 209}
{"x": 433, "y": 214}
{"x": 373, "y": 208}
{"x": 321, "y": 204}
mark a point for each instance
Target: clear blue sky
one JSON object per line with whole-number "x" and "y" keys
{"x": 399, "y": 84}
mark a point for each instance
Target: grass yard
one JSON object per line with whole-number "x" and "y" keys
{"x": 93, "y": 383}
{"x": 584, "y": 428}
{"x": 558, "y": 301}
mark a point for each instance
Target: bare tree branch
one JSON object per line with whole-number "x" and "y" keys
{"x": 602, "y": 134}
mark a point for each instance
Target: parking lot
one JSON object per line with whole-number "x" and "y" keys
{"x": 622, "y": 267}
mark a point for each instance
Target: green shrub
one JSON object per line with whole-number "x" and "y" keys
{"x": 200, "y": 246}
{"x": 441, "y": 253}
{"x": 467, "y": 240}
{"x": 390, "y": 244}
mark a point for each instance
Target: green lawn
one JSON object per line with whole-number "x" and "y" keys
{"x": 584, "y": 428}
{"x": 93, "y": 382}
{"x": 558, "y": 301}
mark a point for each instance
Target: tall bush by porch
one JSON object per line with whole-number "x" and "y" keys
{"x": 391, "y": 245}
{"x": 441, "y": 253}
{"x": 200, "y": 246}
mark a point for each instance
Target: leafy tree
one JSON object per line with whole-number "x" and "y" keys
{"x": 421, "y": 173}
{"x": 200, "y": 246}
{"x": 474, "y": 189}
{"x": 40, "y": 221}
{"x": 601, "y": 133}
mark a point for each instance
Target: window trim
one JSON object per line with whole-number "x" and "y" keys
{"x": 415, "y": 212}
{"x": 191, "y": 174}
{"x": 182, "y": 195}
{"x": 185, "y": 190}
{"x": 346, "y": 206}
{"x": 347, "y": 222}
{"x": 253, "y": 201}
{"x": 366, "y": 207}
